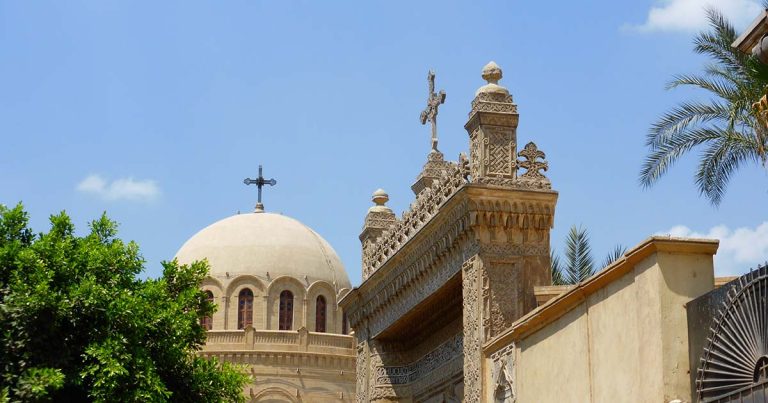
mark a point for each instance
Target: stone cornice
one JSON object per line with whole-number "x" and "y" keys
{"x": 562, "y": 304}
{"x": 443, "y": 244}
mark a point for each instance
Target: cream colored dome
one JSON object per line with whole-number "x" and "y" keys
{"x": 265, "y": 245}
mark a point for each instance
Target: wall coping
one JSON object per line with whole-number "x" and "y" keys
{"x": 563, "y": 303}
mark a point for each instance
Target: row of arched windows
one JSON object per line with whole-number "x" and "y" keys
{"x": 285, "y": 312}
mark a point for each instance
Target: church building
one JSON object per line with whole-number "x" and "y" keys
{"x": 457, "y": 302}
{"x": 276, "y": 283}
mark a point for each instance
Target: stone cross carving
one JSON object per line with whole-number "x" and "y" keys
{"x": 531, "y": 153}
{"x": 429, "y": 114}
{"x": 260, "y": 182}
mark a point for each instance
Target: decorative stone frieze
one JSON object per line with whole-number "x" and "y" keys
{"x": 422, "y": 210}
{"x": 473, "y": 353}
{"x": 399, "y": 375}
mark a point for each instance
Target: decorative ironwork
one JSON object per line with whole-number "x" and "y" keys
{"x": 735, "y": 359}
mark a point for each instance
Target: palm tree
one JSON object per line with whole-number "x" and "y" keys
{"x": 578, "y": 265}
{"x": 730, "y": 127}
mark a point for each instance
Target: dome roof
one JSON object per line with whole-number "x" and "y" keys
{"x": 265, "y": 245}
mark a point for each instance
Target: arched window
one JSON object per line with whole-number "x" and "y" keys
{"x": 206, "y": 321}
{"x": 320, "y": 314}
{"x": 286, "y": 311}
{"x": 344, "y": 325}
{"x": 245, "y": 309}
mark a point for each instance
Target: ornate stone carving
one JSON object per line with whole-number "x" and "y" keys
{"x": 503, "y": 375}
{"x": 473, "y": 354}
{"x": 492, "y": 129}
{"x": 435, "y": 169}
{"x": 531, "y": 164}
{"x": 422, "y": 210}
{"x": 499, "y": 298}
{"x": 497, "y": 103}
{"x": 466, "y": 220}
{"x": 499, "y": 152}
{"x": 362, "y": 371}
{"x": 398, "y": 375}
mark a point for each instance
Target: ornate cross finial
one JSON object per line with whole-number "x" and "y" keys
{"x": 260, "y": 182}
{"x": 434, "y": 100}
{"x": 531, "y": 153}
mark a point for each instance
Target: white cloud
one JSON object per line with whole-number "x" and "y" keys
{"x": 120, "y": 189}
{"x": 740, "y": 250}
{"x": 690, "y": 15}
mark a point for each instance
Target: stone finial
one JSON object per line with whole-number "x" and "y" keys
{"x": 380, "y": 199}
{"x": 492, "y": 74}
{"x": 379, "y": 219}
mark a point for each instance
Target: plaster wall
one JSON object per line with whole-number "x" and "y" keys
{"x": 626, "y": 341}
{"x": 553, "y": 362}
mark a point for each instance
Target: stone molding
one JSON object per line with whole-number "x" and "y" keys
{"x": 277, "y": 358}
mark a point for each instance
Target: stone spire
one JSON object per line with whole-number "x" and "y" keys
{"x": 379, "y": 219}
{"x": 492, "y": 128}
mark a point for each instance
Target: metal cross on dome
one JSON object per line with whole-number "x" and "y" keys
{"x": 434, "y": 100}
{"x": 260, "y": 182}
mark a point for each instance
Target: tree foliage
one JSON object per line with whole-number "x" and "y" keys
{"x": 578, "y": 264}
{"x": 76, "y": 324}
{"x": 728, "y": 128}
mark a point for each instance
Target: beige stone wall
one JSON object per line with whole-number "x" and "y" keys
{"x": 289, "y": 366}
{"x": 622, "y": 337}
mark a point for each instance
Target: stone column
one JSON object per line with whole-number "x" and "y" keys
{"x": 492, "y": 128}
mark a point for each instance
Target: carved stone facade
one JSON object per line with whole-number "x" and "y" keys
{"x": 457, "y": 268}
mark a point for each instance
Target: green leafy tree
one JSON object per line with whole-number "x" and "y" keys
{"x": 578, "y": 265}
{"x": 76, "y": 324}
{"x": 729, "y": 127}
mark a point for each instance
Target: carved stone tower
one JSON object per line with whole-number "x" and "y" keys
{"x": 459, "y": 267}
{"x": 492, "y": 128}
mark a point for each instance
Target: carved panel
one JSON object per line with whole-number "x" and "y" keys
{"x": 500, "y": 149}
{"x": 501, "y": 286}
{"x": 398, "y": 375}
{"x": 473, "y": 354}
{"x": 503, "y": 375}
{"x": 362, "y": 371}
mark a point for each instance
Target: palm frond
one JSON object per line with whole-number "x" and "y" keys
{"x": 673, "y": 147}
{"x": 729, "y": 126}
{"x": 685, "y": 115}
{"x": 722, "y": 88}
{"x": 720, "y": 160}
{"x": 615, "y": 254}
{"x": 556, "y": 267}
{"x": 579, "y": 264}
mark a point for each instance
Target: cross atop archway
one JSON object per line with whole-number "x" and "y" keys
{"x": 260, "y": 182}
{"x": 429, "y": 114}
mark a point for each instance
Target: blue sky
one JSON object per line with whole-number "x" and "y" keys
{"x": 155, "y": 112}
